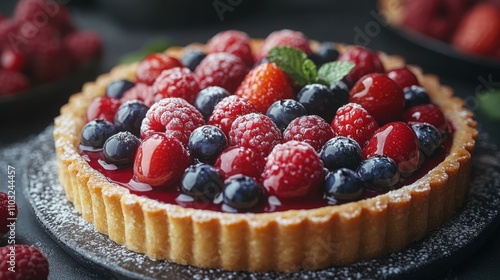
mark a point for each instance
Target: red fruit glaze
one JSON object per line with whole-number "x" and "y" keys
{"x": 311, "y": 129}
{"x": 141, "y": 92}
{"x": 397, "y": 141}
{"x": 12, "y": 82}
{"x": 365, "y": 62}
{"x": 12, "y": 60}
{"x": 233, "y": 42}
{"x": 285, "y": 37}
{"x": 221, "y": 69}
{"x": 8, "y": 212}
{"x": 30, "y": 263}
{"x": 176, "y": 82}
{"x": 380, "y": 96}
{"x": 428, "y": 113}
{"x": 240, "y": 160}
{"x": 353, "y": 121}
{"x": 264, "y": 85}
{"x": 293, "y": 169}
{"x": 228, "y": 110}
{"x": 160, "y": 161}
{"x": 151, "y": 67}
{"x": 103, "y": 108}
{"x": 403, "y": 77}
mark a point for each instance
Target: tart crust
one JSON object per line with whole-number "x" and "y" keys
{"x": 280, "y": 241}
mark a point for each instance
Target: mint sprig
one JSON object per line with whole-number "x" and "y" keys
{"x": 303, "y": 71}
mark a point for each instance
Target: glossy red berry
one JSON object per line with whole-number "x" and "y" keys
{"x": 365, "y": 62}
{"x": 404, "y": 77}
{"x": 151, "y": 67}
{"x": 240, "y": 160}
{"x": 103, "y": 108}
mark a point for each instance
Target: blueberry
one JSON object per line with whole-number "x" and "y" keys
{"x": 192, "y": 59}
{"x": 429, "y": 137}
{"x": 318, "y": 100}
{"x": 341, "y": 152}
{"x": 242, "y": 192}
{"x": 326, "y": 53}
{"x": 340, "y": 92}
{"x": 120, "y": 148}
{"x": 96, "y": 132}
{"x": 206, "y": 143}
{"x": 415, "y": 95}
{"x": 380, "y": 171}
{"x": 282, "y": 112}
{"x": 117, "y": 88}
{"x": 130, "y": 115}
{"x": 343, "y": 184}
{"x": 207, "y": 99}
{"x": 201, "y": 181}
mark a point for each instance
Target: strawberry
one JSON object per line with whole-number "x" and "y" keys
{"x": 233, "y": 42}
{"x": 365, "y": 62}
{"x": 285, "y": 37}
{"x": 8, "y": 212}
{"x": 293, "y": 169}
{"x": 353, "y": 121}
{"x": 83, "y": 46}
{"x": 151, "y": 67}
{"x": 176, "y": 82}
{"x": 479, "y": 31}
{"x": 264, "y": 85}
{"x": 228, "y": 110}
{"x": 103, "y": 108}
{"x": 311, "y": 129}
{"x": 240, "y": 160}
{"x": 221, "y": 69}
{"x": 380, "y": 96}
{"x": 428, "y": 113}
{"x": 12, "y": 82}
{"x": 160, "y": 160}
{"x": 397, "y": 141}
{"x": 30, "y": 263}
{"x": 403, "y": 77}
{"x": 141, "y": 92}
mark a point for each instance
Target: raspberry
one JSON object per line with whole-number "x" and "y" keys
{"x": 174, "y": 116}
{"x": 365, "y": 62}
{"x": 30, "y": 263}
{"x": 141, "y": 92}
{"x": 353, "y": 121}
{"x": 49, "y": 61}
{"x": 233, "y": 42}
{"x": 103, "y": 108}
{"x": 255, "y": 131}
{"x": 176, "y": 82}
{"x": 151, "y": 67}
{"x": 240, "y": 160}
{"x": 8, "y": 29}
{"x": 6, "y": 213}
{"x": 12, "y": 82}
{"x": 428, "y": 113}
{"x": 83, "y": 46}
{"x": 35, "y": 11}
{"x": 264, "y": 85}
{"x": 285, "y": 37}
{"x": 293, "y": 169}
{"x": 312, "y": 130}
{"x": 221, "y": 69}
{"x": 227, "y": 110}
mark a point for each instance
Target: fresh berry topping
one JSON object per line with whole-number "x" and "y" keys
{"x": 327, "y": 52}
{"x": 341, "y": 152}
{"x": 30, "y": 263}
{"x": 240, "y": 160}
{"x": 397, "y": 141}
{"x": 365, "y": 62}
{"x": 255, "y": 131}
{"x": 404, "y": 77}
{"x": 379, "y": 171}
{"x": 192, "y": 58}
{"x": 319, "y": 100}
{"x": 243, "y": 193}
{"x": 311, "y": 129}
{"x": 174, "y": 116}
{"x": 293, "y": 169}
{"x": 120, "y": 148}
{"x": 416, "y": 95}
{"x": 429, "y": 137}
{"x": 12, "y": 60}
{"x": 153, "y": 65}
{"x": 227, "y": 110}
{"x": 285, "y": 37}
{"x": 353, "y": 121}
{"x": 103, "y": 108}
{"x": 117, "y": 88}
{"x": 340, "y": 92}
{"x": 160, "y": 160}
{"x": 221, "y": 69}
{"x": 141, "y": 92}
{"x": 130, "y": 115}
{"x": 380, "y": 96}
{"x": 83, "y": 46}
{"x": 96, "y": 132}
{"x": 265, "y": 85}
{"x": 8, "y": 212}
{"x": 12, "y": 82}
{"x": 343, "y": 185}
{"x": 233, "y": 42}
{"x": 207, "y": 98}
{"x": 428, "y": 113}
{"x": 202, "y": 181}
{"x": 206, "y": 143}
{"x": 176, "y": 82}
{"x": 282, "y": 112}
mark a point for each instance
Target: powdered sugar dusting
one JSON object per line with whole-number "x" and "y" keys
{"x": 437, "y": 251}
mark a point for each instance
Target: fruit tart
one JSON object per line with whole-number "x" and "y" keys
{"x": 265, "y": 155}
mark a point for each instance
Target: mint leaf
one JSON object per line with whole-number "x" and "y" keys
{"x": 333, "y": 72}
{"x": 148, "y": 48}
{"x": 489, "y": 103}
{"x": 294, "y": 63}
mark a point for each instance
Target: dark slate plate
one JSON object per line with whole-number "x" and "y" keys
{"x": 432, "y": 256}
